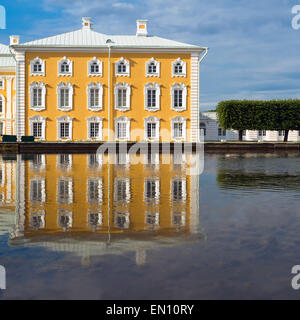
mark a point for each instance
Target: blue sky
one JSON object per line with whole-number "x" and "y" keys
{"x": 254, "y": 51}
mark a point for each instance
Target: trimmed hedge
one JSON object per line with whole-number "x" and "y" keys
{"x": 260, "y": 115}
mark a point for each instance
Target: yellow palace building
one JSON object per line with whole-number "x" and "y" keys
{"x": 88, "y": 86}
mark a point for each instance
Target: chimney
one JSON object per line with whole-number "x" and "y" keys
{"x": 87, "y": 23}
{"x": 14, "y": 40}
{"x": 141, "y": 27}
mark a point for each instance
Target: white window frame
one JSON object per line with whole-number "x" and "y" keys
{"x": 98, "y": 160}
{"x": 3, "y": 83}
{"x": 152, "y": 86}
{"x": 95, "y": 119}
{"x": 154, "y": 216}
{"x": 70, "y": 64}
{"x": 2, "y": 123}
{"x": 63, "y": 212}
{"x": 183, "y": 65}
{"x": 178, "y": 86}
{"x": 39, "y": 213}
{"x": 126, "y": 181}
{"x": 182, "y": 215}
{"x": 65, "y": 119}
{"x": 122, "y": 214}
{"x": 69, "y": 86}
{"x": 2, "y": 113}
{"x": 127, "y": 65}
{"x": 183, "y": 183}
{"x": 43, "y": 189}
{"x": 99, "y": 86}
{"x": 125, "y": 86}
{"x": 100, "y": 190}
{"x": 178, "y": 120}
{"x": 40, "y": 165}
{"x": 66, "y": 166}
{"x": 2, "y": 181}
{"x": 38, "y": 85}
{"x": 157, "y": 190}
{"x": 152, "y": 120}
{"x": 69, "y": 182}
{"x": 127, "y": 122}
{"x": 100, "y": 218}
{"x": 37, "y": 73}
{"x": 41, "y": 119}
{"x": 157, "y": 65}
{"x": 100, "y": 65}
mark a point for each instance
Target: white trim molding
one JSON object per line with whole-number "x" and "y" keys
{"x": 122, "y": 190}
{"x": 65, "y": 219}
{"x": 124, "y": 128}
{"x": 38, "y": 119}
{"x": 64, "y": 119}
{"x": 95, "y": 86}
{"x": 182, "y": 121}
{"x": 40, "y": 66}
{"x": 178, "y": 68}
{"x": 152, "y": 68}
{"x": 122, "y": 68}
{"x": 3, "y": 109}
{"x": 178, "y": 103}
{"x": 37, "y": 100}
{"x": 99, "y": 121}
{"x": 65, "y": 184}
{"x": 149, "y": 195}
{"x": 66, "y": 86}
{"x": 94, "y": 190}
{"x": 67, "y": 65}
{"x": 97, "y": 64}
{"x": 178, "y": 190}
{"x": 152, "y": 104}
{"x": 152, "y": 120}
{"x": 37, "y": 190}
{"x": 120, "y": 104}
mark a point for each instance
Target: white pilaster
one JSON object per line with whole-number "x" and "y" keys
{"x": 20, "y": 95}
{"x": 195, "y": 109}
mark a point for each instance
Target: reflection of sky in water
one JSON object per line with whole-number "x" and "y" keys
{"x": 251, "y": 238}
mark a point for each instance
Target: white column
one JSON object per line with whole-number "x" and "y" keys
{"x": 20, "y": 95}
{"x": 8, "y": 125}
{"x": 195, "y": 109}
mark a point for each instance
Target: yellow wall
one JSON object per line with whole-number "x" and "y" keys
{"x": 80, "y": 79}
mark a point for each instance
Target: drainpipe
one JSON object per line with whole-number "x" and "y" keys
{"x": 200, "y": 60}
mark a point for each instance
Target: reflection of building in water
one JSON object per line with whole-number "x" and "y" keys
{"x": 81, "y": 204}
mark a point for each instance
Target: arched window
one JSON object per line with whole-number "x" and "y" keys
{"x": 65, "y": 96}
{"x": 65, "y": 67}
{"x": 178, "y": 95}
{"x": 2, "y": 105}
{"x": 122, "y": 96}
{"x": 152, "y": 96}
{"x": 152, "y": 68}
{"x": 95, "y": 93}
{"x": 179, "y": 68}
{"x": 37, "y": 96}
{"x": 122, "y": 68}
{"x": 37, "y": 67}
{"x": 203, "y": 129}
{"x": 94, "y": 67}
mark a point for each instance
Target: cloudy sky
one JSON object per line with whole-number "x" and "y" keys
{"x": 254, "y": 51}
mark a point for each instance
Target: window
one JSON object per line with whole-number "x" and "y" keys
{"x": 37, "y": 190}
{"x": 122, "y": 128}
{"x": 178, "y": 190}
{"x": 37, "y": 96}
{"x": 178, "y": 128}
{"x": 94, "y": 160}
{"x": 65, "y": 220}
{"x": 152, "y": 97}
{"x": 203, "y": 129}
{"x": 64, "y": 127}
{"x": 38, "y": 163}
{"x": 122, "y": 190}
{"x": 65, "y": 67}
{"x": 1, "y": 128}
{"x": 281, "y": 133}
{"x": 221, "y": 132}
{"x": 95, "y": 219}
{"x": 95, "y": 128}
{"x": 179, "y": 68}
{"x": 65, "y": 96}
{"x": 152, "y": 128}
{"x": 122, "y": 67}
{"x": 37, "y": 220}
{"x": 65, "y": 191}
{"x": 178, "y": 219}
{"x": 152, "y": 219}
{"x": 95, "y": 94}
{"x": 2, "y": 82}
{"x": 95, "y": 191}
{"x": 152, "y": 68}
{"x": 95, "y": 67}
{"x": 151, "y": 193}
{"x": 121, "y": 220}
{"x": 37, "y": 67}
{"x": 178, "y": 95}
{"x": 262, "y": 133}
{"x": 38, "y": 127}
{"x": 122, "y": 96}
{"x": 64, "y": 161}
{"x": 2, "y": 104}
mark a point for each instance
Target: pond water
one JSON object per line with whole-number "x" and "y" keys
{"x": 73, "y": 226}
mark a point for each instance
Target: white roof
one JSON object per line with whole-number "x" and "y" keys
{"x": 90, "y": 38}
{"x": 4, "y": 49}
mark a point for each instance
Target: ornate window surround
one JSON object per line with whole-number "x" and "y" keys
{"x": 152, "y": 119}
{"x": 38, "y": 85}
{"x": 97, "y": 120}
{"x": 69, "y": 182}
{"x": 70, "y": 64}
{"x": 69, "y": 214}
{"x": 124, "y": 120}
{"x": 183, "y": 185}
{"x": 178, "y": 120}
{"x": 41, "y": 119}
{"x": 152, "y": 86}
{"x": 37, "y": 73}
{"x": 179, "y": 86}
{"x": 127, "y": 65}
{"x": 95, "y": 85}
{"x": 43, "y": 189}
{"x": 183, "y": 65}
{"x": 100, "y": 65}
{"x": 156, "y": 182}
{"x": 153, "y": 74}
{"x": 126, "y": 86}
{"x": 126, "y": 182}
{"x": 69, "y": 86}
{"x": 99, "y": 182}
{"x": 63, "y": 119}
{"x": 2, "y": 113}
